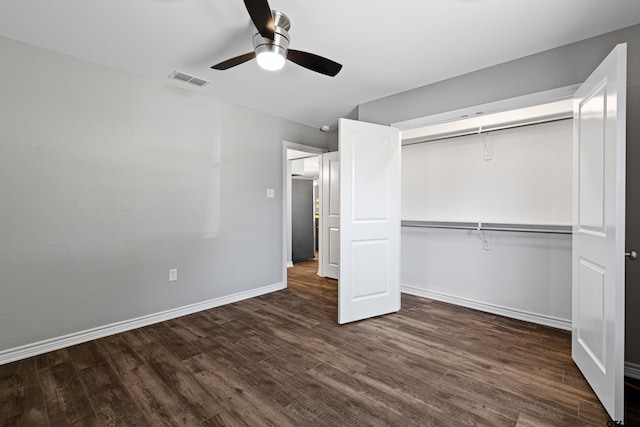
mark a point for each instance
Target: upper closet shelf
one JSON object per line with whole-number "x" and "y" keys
{"x": 484, "y": 123}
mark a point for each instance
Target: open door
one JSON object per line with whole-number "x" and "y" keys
{"x": 598, "y": 261}
{"x": 369, "y": 282}
{"x": 329, "y": 249}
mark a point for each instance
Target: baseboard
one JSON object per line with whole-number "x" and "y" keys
{"x": 289, "y": 264}
{"x": 34, "y": 349}
{"x": 541, "y": 319}
{"x": 632, "y": 370}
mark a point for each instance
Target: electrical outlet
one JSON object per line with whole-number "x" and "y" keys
{"x": 173, "y": 274}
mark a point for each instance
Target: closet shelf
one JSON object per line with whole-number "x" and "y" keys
{"x": 491, "y": 226}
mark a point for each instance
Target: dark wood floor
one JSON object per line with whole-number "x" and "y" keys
{"x": 281, "y": 359}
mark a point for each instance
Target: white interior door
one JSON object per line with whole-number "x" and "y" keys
{"x": 599, "y": 230}
{"x": 329, "y": 246}
{"x": 369, "y": 282}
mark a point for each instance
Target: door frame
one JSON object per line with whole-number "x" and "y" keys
{"x": 286, "y": 198}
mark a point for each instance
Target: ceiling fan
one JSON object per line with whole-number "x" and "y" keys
{"x": 271, "y": 44}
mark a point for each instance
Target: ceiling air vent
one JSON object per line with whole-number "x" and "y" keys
{"x": 197, "y": 81}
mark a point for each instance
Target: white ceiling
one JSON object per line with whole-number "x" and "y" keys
{"x": 385, "y": 47}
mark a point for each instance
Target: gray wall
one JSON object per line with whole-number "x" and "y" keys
{"x": 108, "y": 180}
{"x": 555, "y": 68}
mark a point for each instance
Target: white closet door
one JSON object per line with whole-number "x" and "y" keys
{"x": 330, "y": 215}
{"x": 598, "y": 259}
{"x": 369, "y": 283}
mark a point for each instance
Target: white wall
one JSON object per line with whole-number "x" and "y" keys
{"x": 522, "y": 275}
{"x": 527, "y": 179}
{"x": 108, "y": 180}
{"x": 560, "y": 67}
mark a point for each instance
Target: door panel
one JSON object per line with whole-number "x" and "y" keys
{"x": 334, "y": 252}
{"x": 373, "y": 281}
{"x": 591, "y": 327}
{"x": 369, "y": 283}
{"x": 592, "y": 155}
{"x": 599, "y": 230}
{"x": 330, "y": 215}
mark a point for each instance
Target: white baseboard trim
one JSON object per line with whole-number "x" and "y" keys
{"x": 541, "y": 319}
{"x": 40, "y": 347}
{"x": 289, "y": 264}
{"x": 632, "y": 370}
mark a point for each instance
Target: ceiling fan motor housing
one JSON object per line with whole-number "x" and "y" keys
{"x": 280, "y": 42}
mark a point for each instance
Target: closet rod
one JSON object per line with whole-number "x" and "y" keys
{"x": 479, "y": 130}
{"x": 488, "y": 226}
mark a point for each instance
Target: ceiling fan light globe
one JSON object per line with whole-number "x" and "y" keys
{"x": 270, "y": 60}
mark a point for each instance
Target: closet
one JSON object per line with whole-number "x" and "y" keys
{"x": 487, "y": 209}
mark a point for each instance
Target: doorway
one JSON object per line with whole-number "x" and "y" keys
{"x": 305, "y": 208}
{"x": 301, "y": 154}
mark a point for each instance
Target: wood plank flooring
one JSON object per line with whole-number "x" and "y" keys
{"x": 282, "y": 360}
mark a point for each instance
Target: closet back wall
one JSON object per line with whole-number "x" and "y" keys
{"x": 527, "y": 179}
{"x": 523, "y": 275}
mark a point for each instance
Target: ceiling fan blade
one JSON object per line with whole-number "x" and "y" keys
{"x": 314, "y": 62}
{"x": 260, "y": 13}
{"x": 224, "y": 65}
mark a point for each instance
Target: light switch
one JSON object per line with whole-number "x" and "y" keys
{"x": 271, "y": 193}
